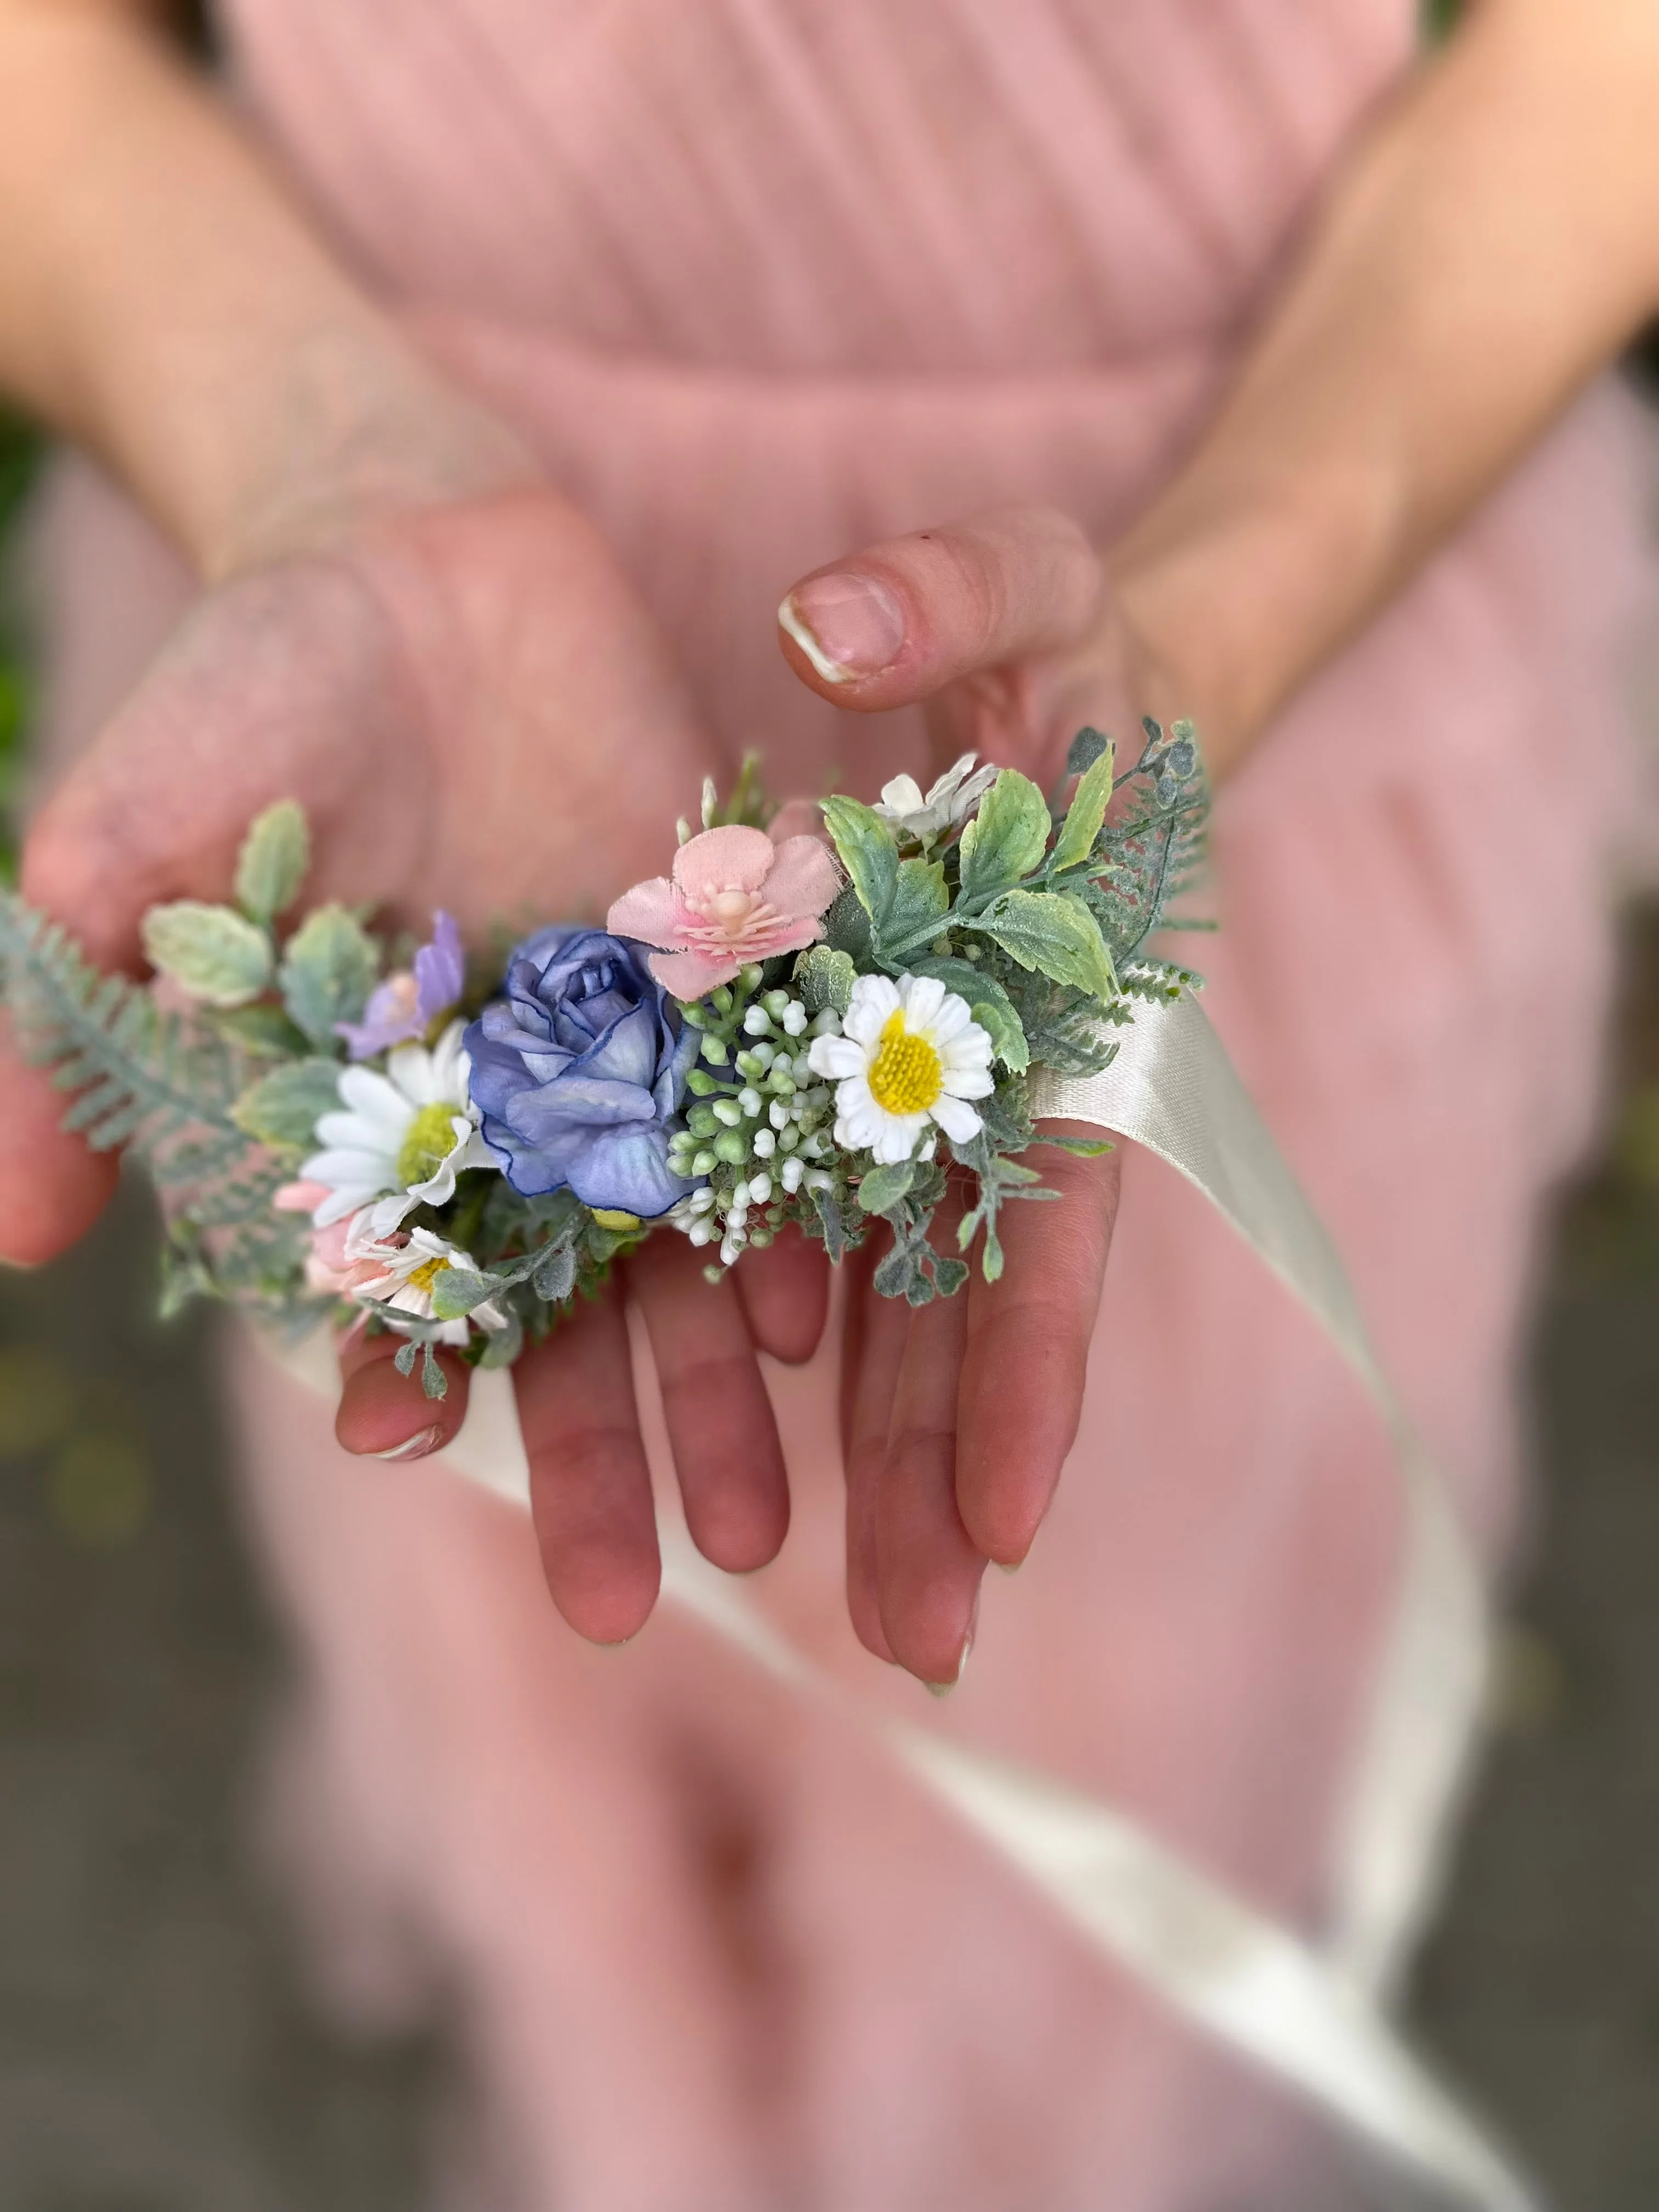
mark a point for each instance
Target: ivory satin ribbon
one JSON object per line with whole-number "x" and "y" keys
{"x": 1312, "y": 2014}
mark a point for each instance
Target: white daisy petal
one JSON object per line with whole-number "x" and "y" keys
{"x": 875, "y": 1000}
{"x": 836, "y": 1057}
{"x": 339, "y": 1165}
{"x": 336, "y": 1207}
{"x": 388, "y": 1213}
{"x": 967, "y": 1083}
{"x": 921, "y": 997}
{"x": 368, "y": 1092}
{"x": 949, "y": 1022}
{"x": 959, "y": 1121}
{"x": 898, "y": 1138}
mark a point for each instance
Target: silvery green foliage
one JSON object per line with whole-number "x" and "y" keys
{"x": 1038, "y": 915}
{"x": 209, "y": 1100}
{"x": 1038, "y": 912}
{"x": 327, "y": 973}
{"x": 282, "y": 1108}
{"x": 212, "y": 952}
{"x": 166, "y": 1087}
{"x": 275, "y": 855}
{"x": 226, "y": 956}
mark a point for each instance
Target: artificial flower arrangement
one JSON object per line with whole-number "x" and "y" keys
{"x": 814, "y": 1029}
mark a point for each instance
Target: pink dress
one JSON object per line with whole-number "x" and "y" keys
{"x": 762, "y": 280}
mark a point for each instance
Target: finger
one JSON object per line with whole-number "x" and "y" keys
{"x": 1028, "y": 1349}
{"x": 897, "y": 623}
{"x": 52, "y": 1185}
{"x": 929, "y": 1568}
{"x": 784, "y": 1290}
{"x": 590, "y": 1487}
{"x": 872, "y": 1351}
{"x": 154, "y": 809}
{"x": 385, "y": 1415}
{"x": 720, "y": 1427}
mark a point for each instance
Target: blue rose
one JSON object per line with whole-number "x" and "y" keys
{"x": 578, "y": 1069}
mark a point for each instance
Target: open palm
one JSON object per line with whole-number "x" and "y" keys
{"x": 476, "y": 713}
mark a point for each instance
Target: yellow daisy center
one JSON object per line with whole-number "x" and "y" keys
{"x": 424, "y": 1277}
{"x": 428, "y": 1143}
{"x": 907, "y": 1074}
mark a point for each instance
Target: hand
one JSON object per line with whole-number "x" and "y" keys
{"x": 956, "y": 1417}
{"x": 475, "y": 713}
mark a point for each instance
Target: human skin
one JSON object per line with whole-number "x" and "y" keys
{"x": 405, "y": 629}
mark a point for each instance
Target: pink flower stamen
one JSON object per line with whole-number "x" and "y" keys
{"x": 734, "y": 898}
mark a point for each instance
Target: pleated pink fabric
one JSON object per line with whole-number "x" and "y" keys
{"x": 763, "y": 280}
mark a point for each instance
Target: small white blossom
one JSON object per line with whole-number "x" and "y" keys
{"x": 408, "y": 1273}
{"x": 956, "y": 793}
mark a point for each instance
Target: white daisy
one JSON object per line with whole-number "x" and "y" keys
{"x": 408, "y": 1273}
{"x": 909, "y": 1055}
{"x": 404, "y": 1138}
{"x": 956, "y": 793}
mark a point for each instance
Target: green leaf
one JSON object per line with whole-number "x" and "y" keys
{"x": 990, "y": 1005}
{"x": 868, "y": 851}
{"x": 555, "y": 1277}
{"x": 846, "y": 927}
{"x": 900, "y": 1275}
{"x": 328, "y": 972}
{"x": 1084, "y": 750}
{"x": 502, "y": 1346}
{"x": 919, "y": 903}
{"x": 882, "y": 1188}
{"x": 211, "y": 952}
{"x": 948, "y": 1274}
{"x": 275, "y": 855}
{"x": 824, "y": 978}
{"x": 1053, "y": 933}
{"x": 282, "y": 1108}
{"x": 1086, "y": 812}
{"x": 831, "y": 1225}
{"x": 262, "y": 1029}
{"x": 1008, "y": 837}
{"x": 456, "y": 1290}
{"x": 996, "y": 1016}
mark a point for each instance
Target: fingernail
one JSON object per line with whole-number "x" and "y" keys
{"x": 1007, "y": 1566}
{"x": 847, "y": 626}
{"x": 415, "y": 1447}
{"x": 943, "y": 1689}
{"x": 18, "y": 1267}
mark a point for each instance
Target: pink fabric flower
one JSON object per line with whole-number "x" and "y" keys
{"x": 735, "y": 896}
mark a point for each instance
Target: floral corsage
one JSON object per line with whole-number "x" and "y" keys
{"x": 816, "y": 1029}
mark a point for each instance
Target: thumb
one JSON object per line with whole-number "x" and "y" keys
{"x": 897, "y": 623}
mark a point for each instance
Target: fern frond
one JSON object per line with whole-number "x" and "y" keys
{"x": 140, "y": 1077}
{"x": 162, "y": 1084}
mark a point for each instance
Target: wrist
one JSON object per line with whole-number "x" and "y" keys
{"x": 162, "y": 301}
{"x": 1231, "y": 596}
{"x": 348, "y": 425}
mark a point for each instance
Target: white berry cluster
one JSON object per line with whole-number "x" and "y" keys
{"x": 757, "y": 1118}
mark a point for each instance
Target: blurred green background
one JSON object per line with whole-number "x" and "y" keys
{"x": 157, "y": 2053}
{"x": 19, "y": 458}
